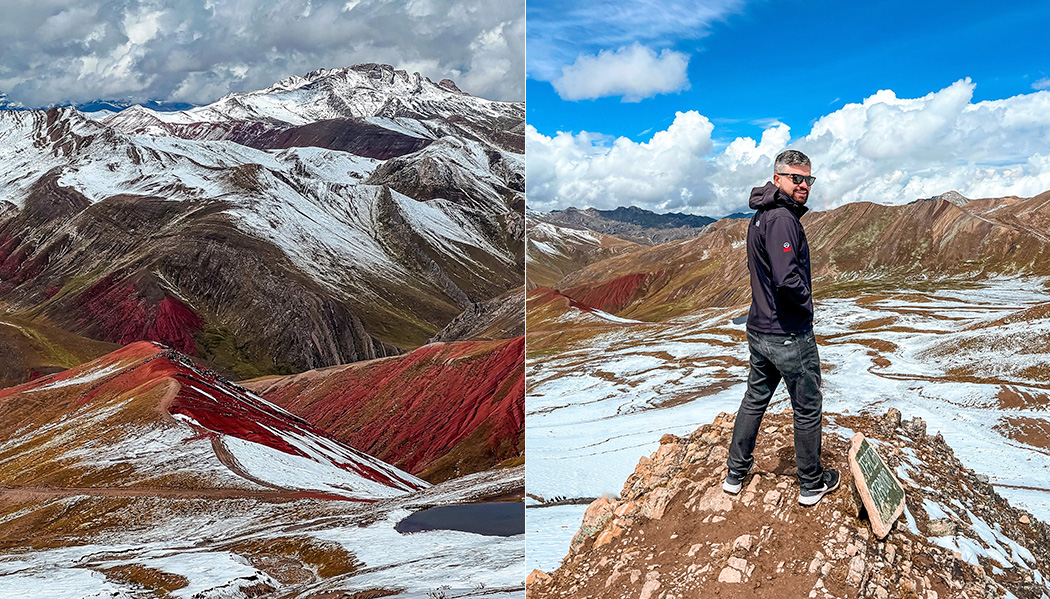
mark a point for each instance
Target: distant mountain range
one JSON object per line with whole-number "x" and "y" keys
{"x": 342, "y": 215}
{"x": 103, "y": 105}
{"x": 631, "y": 223}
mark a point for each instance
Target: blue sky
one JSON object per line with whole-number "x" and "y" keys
{"x": 618, "y": 70}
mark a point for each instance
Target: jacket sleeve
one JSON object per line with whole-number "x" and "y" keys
{"x": 783, "y": 238}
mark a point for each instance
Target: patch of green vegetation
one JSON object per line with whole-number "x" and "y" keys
{"x": 221, "y": 347}
{"x": 865, "y": 236}
{"x": 666, "y": 310}
{"x": 57, "y": 354}
{"x": 73, "y": 286}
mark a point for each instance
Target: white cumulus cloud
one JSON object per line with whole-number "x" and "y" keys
{"x": 634, "y": 72}
{"x": 562, "y": 30}
{"x": 884, "y": 149}
{"x": 666, "y": 173}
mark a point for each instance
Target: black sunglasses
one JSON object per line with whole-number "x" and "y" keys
{"x": 798, "y": 179}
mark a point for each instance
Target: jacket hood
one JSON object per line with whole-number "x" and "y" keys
{"x": 769, "y": 195}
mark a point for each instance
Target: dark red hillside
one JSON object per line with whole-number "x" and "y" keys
{"x": 613, "y": 296}
{"x": 443, "y": 410}
{"x": 123, "y": 313}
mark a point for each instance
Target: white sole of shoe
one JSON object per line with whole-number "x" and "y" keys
{"x": 734, "y": 489}
{"x": 815, "y": 499}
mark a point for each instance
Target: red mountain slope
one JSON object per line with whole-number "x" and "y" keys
{"x": 443, "y": 410}
{"x": 147, "y": 417}
{"x": 615, "y": 295}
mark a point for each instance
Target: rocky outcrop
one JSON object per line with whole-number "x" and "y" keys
{"x": 949, "y": 196}
{"x": 457, "y": 170}
{"x": 674, "y": 532}
{"x": 501, "y": 317}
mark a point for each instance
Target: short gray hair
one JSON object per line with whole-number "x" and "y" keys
{"x": 789, "y": 158}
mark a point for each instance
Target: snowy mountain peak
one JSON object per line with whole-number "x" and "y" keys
{"x": 354, "y": 92}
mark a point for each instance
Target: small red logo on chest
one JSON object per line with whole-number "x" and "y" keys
{"x": 787, "y": 246}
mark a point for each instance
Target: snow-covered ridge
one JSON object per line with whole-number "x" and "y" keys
{"x": 311, "y": 202}
{"x": 365, "y": 179}
{"x": 359, "y": 91}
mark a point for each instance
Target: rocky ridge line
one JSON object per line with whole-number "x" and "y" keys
{"x": 674, "y": 533}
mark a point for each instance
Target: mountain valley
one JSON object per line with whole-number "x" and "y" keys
{"x": 935, "y": 308}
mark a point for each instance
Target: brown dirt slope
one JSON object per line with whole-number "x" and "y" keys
{"x": 860, "y": 244}
{"x": 31, "y": 348}
{"x": 552, "y": 252}
{"x": 675, "y": 533}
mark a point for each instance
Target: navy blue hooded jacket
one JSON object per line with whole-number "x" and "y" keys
{"x": 778, "y": 258}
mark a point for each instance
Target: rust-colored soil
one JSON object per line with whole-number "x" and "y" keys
{"x": 1014, "y": 398}
{"x": 295, "y": 560}
{"x": 443, "y": 410}
{"x": 158, "y": 581}
{"x": 1034, "y": 432}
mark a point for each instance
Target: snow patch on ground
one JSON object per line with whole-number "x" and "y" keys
{"x": 87, "y": 376}
{"x": 195, "y": 544}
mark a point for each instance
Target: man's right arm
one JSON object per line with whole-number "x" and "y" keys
{"x": 783, "y": 235}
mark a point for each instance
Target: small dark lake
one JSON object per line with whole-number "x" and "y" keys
{"x": 499, "y": 518}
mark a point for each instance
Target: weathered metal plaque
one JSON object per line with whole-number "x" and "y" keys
{"x": 879, "y": 490}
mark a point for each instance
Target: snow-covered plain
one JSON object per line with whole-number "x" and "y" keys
{"x": 193, "y": 538}
{"x": 952, "y": 356}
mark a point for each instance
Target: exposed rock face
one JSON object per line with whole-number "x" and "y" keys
{"x": 449, "y": 169}
{"x": 179, "y": 274}
{"x": 501, "y": 317}
{"x": 950, "y": 196}
{"x": 674, "y": 532}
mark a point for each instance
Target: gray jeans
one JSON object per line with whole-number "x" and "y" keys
{"x": 792, "y": 358}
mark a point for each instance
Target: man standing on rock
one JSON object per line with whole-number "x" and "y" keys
{"x": 780, "y": 329}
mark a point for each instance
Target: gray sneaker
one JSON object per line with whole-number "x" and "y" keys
{"x": 734, "y": 483}
{"x": 828, "y": 483}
